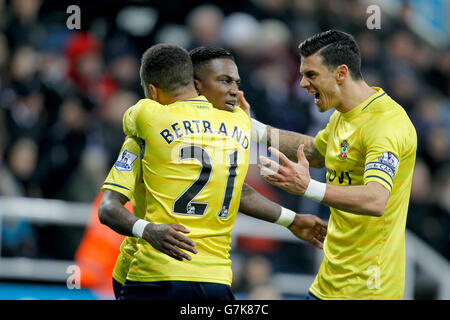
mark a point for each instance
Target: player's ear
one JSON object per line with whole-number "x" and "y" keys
{"x": 198, "y": 85}
{"x": 342, "y": 73}
{"x": 153, "y": 91}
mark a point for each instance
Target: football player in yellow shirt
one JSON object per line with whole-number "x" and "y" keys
{"x": 221, "y": 82}
{"x": 369, "y": 148}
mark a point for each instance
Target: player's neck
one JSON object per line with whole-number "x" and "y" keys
{"x": 353, "y": 94}
{"x": 187, "y": 93}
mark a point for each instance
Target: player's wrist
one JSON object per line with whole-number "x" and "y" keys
{"x": 139, "y": 227}
{"x": 315, "y": 190}
{"x": 259, "y": 131}
{"x": 286, "y": 217}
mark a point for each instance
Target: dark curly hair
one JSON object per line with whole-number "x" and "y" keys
{"x": 168, "y": 67}
{"x": 201, "y": 56}
{"x": 336, "y": 48}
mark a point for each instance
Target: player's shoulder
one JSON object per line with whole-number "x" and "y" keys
{"x": 133, "y": 143}
{"x": 389, "y": 119}
{"x": 242, "y": 116}
{"x": 143, "y": 106}
{"x": 387, "y": 111}
{"x": 384, "y": 106}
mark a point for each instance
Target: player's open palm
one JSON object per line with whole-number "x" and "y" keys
{"x": 167, "y": 239}
{"x": 309, "y": 228}
{"x": 290, "y": 176}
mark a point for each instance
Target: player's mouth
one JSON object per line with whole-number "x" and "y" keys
{"x": 316, "y": 95}
{"x": 231, "y": 104}
{"x": 317, "y": 98}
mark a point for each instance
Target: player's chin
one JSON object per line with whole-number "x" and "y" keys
{"x": 228, "y": 107}
{"x": 321, "y": 106}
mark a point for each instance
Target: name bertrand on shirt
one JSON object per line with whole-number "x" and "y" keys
{"x": 188, "y": 127}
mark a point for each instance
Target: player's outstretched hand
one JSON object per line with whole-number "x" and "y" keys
{"x": 243, "y": 104}
{"x": 309, "y": 228}
{"x": 167, "y": 239}
{"x": 290, "y": 176}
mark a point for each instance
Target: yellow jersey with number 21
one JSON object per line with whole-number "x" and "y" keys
{"x": 194, "y": 166}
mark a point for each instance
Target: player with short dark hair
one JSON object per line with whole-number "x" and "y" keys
{"x": 176, "y": 192}
{"x": 336, "y": 48}
{"x": 168, "y": 70}
{"x": 369, "y": 148}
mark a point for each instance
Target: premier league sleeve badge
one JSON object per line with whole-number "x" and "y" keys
{"x": 125, "y": 161}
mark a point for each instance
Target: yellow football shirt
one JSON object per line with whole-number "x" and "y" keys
{"x": 364, "y": 257}
{"x": 125, "y": 177}
{"x": 195, "y": 162}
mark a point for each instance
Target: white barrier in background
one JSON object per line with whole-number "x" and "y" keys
{"x": 77, "y": 214}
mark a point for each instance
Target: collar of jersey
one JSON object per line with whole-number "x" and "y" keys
{"x": 198, "y": 99}
{"x": 363, "y": 105}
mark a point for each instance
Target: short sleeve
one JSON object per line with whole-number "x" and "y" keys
{"x": 137, "y": 118}
{"x": 321, "y": 139}
{"x": 125, "y": 174}
{"x": 382, "y": 154}
{"x": 130, "y": 118}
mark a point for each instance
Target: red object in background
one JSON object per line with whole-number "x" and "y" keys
{"x": 83, "y": 45}
{"x": 258, "y": 245}
{"x": 98, "y": 252}
{"x": 79, "y": 45}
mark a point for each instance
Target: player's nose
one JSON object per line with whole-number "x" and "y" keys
{"x": 234, "y": 90}
{"x": 304, "y": 83}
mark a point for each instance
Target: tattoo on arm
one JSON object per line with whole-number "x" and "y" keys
{"x": 289, "y": 141}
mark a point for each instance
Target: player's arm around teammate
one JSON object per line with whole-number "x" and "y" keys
{"x": 163, "y": 237}
{"x": 168, "y": 239}
{"x": 304, "y": 226}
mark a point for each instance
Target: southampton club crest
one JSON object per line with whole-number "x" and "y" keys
{"x": 344, "y": 150}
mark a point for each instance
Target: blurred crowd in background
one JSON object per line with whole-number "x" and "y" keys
{"x": 63, "y": 92}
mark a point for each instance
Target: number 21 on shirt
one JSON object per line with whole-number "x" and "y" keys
{"x": 184, "y": 204}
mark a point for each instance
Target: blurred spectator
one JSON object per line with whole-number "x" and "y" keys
{"x": 437, "y": 148}
{"x": 429, "y": 212}
{"x": 204, "y": 23}
{"x": 174, "y": 34}
{"x": 4, "y": 56}
{"x": 9, "y": 185}
{"x": 22, "y": 160}
{"x": 264, "y": 292}
{"x": 24, "y": 26}
{"x": 257, "y": 273}
{"x": 111, "y": 125}
{"x": 63, "y": 145}
{"x": 439, "y": 73}
{"x": 86, "y": 68}
{"x": 278, "y": 9}
{"x": 122, "y": 63}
